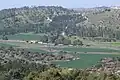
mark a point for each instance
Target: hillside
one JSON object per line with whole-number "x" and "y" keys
{"x": 92, "y": 22}
{"x": 104, "y": 21}
{"x": 21, "y": 64}
{"x": 106, "y": 18}
{"x": 36, "y": 19}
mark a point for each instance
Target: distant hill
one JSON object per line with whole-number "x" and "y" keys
{"x": 91, "y": 9}
{"x": 105, "y": 18}
{"x": 115, "y": 7}
{"x": 84, "y": 22}
{"x": 35, "y": 19}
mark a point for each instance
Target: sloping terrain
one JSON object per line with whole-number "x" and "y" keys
{"x": 36, "y": 19}
{"x": 96, "y": 22}
{"x": 106, "y": 19}
{"x": 103, "y": 22}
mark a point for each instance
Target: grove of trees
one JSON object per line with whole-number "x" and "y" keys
{"x": 55, "y": 19}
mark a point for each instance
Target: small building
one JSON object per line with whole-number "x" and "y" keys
{"x": 60, "y": 44}
{"x": 48, "y": 19}
{"x": 32, "y": 42}
{"x": 44, "y": 43}
{"x": 40, "y": 42}
{"x": 63, "y": 33}
{"x": 70, "y": 69}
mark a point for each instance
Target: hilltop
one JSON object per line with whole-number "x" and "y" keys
{"x": 36, "y": 19}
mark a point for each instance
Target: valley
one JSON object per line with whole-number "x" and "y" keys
{"x": 88, "y": 56}
{"x": 56, "y": 43}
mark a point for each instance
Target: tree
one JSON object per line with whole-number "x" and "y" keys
{"x": 66, "y": 42}
{"x": 98, "y": 65}
{"x": 5, "y": 38}
{"x": 77, "y": 42}
{"x": 44, "y": 39}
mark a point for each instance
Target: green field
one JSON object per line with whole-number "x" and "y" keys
{"x": 85, "y": 61}
{"x": 37, "y": 49}
{"x": 25, "y": 36}
{"x": 81, "y": 49}
{"x": 7, "y": 45}
{"x": 115, "y": 43}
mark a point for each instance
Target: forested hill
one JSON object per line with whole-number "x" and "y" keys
{"x": 103, "y": 21}
{"x": 36, "y": 19}
{"x": 97, "y": 22}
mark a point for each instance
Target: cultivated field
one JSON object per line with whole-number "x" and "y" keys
{"x": 88, "y": 55}
{"x": 25, "y": 36}
{"x": 86, "y": 60}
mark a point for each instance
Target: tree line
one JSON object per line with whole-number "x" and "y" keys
{"x": 60, "y": 39}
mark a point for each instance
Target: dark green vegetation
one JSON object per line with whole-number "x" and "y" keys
{"x": 66, "y": 74}
{"x": 25, "y": 36}
{"x": 88, "y": 56}
{"x": 20, "y": 64}
{"x": 47, "y": 73}
{"x": 58, "y": 25}
{"x": 7, "y": 45}
{"x": 37, "y": 19}
{"x": 101, "y": 22}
